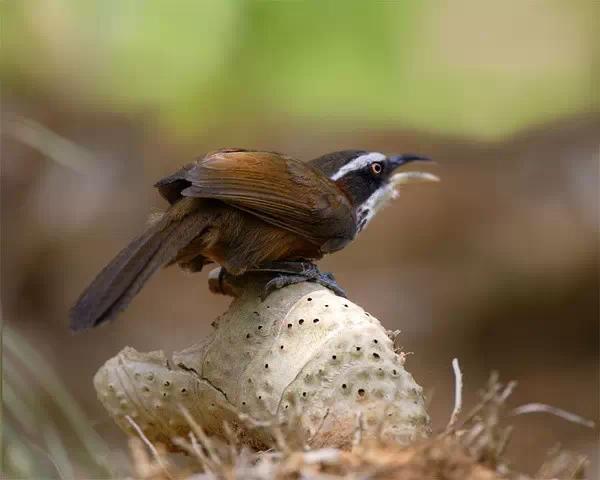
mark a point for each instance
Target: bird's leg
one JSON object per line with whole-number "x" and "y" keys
{"x": 282, "y": 274}
{"x": 290, "y": 273}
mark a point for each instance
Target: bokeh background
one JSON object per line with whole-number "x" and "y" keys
{"x": 497, "y": 265}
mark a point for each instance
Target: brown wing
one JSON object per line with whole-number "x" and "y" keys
{"x": 278, "y": 189}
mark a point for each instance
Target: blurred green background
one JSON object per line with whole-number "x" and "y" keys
{"x": 497, "y": 266}
{"x": 462, "y": 67}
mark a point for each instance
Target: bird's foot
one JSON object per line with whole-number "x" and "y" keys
{"x": 290, "y": 273}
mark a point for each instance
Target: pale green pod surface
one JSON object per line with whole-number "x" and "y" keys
{"x": 303, "y": 352}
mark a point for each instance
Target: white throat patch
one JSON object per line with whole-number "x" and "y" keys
{"x": 378, "y": 199}
{"x": 358, "y": 163}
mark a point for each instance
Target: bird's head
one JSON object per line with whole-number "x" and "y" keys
{"x": 369, "y": 179}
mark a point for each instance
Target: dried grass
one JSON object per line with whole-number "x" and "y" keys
{"x": 471, "y": 448}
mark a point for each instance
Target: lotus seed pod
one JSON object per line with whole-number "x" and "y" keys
{"x": 302, "y": 351}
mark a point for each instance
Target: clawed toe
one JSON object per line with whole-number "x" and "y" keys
{"x": 328, "y": 281}
{"x": 282, "y": 275}
{"x": 290, "y": 273}
{"x": 279, "y": 282}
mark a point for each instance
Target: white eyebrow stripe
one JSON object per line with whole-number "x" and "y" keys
{"x": 358, "y": 163}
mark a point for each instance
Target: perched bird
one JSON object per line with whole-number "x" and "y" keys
{"x": 251, "y": 210}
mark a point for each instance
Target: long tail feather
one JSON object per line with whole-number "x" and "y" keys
{"x": 116, "y": 285}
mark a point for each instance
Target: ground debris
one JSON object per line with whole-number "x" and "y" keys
{"x": 473, "y": 449}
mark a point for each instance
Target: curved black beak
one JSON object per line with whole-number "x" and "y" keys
{"x": 397, "y": 160}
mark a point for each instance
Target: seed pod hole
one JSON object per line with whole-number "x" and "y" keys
{"x": 361, "y": 392}
{"x": 316, "y": 320}
{"x": 281, "y": 347}
{"x": 304, "y": 394}
{"x": 309, "y": 299}
{"x": 344, "y": 386}
{"x": 358, "y": 349}
{"x": 266, "y": 365}
{"x": 301, "y": 321}
{"x": 375, "y": 355}
{"x": 289, "y": 325}
{"x": 260, "y": 327}
{"x": 375, "y": 340}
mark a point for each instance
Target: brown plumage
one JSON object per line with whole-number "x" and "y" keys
{"x": 237, "y": 208}
{"x": 243, "y": 209}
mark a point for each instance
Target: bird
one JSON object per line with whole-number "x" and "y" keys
{"x": 251, "y": 210}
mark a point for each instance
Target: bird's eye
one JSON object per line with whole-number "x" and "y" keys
{"x": 376, "y": 168}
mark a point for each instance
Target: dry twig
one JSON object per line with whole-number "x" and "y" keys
{"x": 150, "y": 446}
{"x": 559, "y": 412}
{"x": 458, "y": 389}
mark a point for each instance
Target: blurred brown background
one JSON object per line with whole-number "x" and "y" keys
{"x": 497, "y": 265}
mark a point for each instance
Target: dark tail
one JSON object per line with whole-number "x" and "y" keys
{"x": 117, "y": 284}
